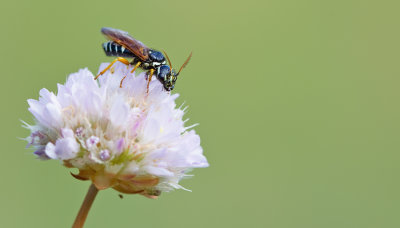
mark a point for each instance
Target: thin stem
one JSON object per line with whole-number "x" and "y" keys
{"x": 87, "y": 203}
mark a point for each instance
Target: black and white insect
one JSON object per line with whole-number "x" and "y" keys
{"x": 122, "y": 45}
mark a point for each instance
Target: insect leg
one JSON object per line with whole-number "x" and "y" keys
{"x": 122, "y": 60}
{"x": 149, "y": 79}
{"x": 136, "y": 66}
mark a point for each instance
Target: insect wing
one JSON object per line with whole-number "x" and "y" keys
{"x": 127, "y": 41}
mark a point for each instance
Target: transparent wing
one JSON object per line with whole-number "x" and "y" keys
{"x": 124, "y": 39}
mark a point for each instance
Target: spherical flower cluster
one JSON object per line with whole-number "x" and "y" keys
{"x": 123, "y": 138}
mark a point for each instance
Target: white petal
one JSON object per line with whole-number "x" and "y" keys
{"x": 50, "y": 151}
{"x": 52, "y": 115}
{"x": 66, "y": 148}
{"x": 119, "y": 112}
{"x": 157, "y": 171}
{"x": 66, "y": 132}
{"x": 150, "y": 129}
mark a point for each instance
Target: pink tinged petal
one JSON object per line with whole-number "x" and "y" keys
{"x": 138, "y": 86}
{"x": 89, "y": 101}
{"x": 85, "y": 93}
{"x": 48, "y": 97}
{"x": 136, "y": 125}
{"x": 82, "y": 77}
{"x": 52, "y": 113}
{"x": 45, "y": 96}
{"x": 66, "y": 132}
{"x": 150, "y": 129}
{"x": 119, "y": 112}
{"x": 189, "y": 153}
{"x": 157, "y": 154}
{"x": 128, "y": 84}
{"x": 94, "y": 104}
{"x": 120, "y": 144}
{"x": 112, "y": 80}
{"x": 63, "y": 95}
{"x": 47, "y": 111}
{"x": 66, "y": 148}
{"x": 197, "y": 161}
{"x": 132, "y": 168}
{"x": 50, "y": 150}
{"x": 36, "y": 108}
{"x": 158, "y": 171}
{"x": 137, "y": 120}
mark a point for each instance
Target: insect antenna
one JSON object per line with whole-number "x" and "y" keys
{"x": 169, "y": 61}
{"x": 185, "y": 63}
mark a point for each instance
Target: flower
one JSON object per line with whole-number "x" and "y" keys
{"x": 123, "y": 138}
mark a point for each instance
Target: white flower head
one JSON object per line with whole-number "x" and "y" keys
{"x": 124, "y": 138}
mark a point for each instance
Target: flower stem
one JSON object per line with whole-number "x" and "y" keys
{"x": 87, "y": 203}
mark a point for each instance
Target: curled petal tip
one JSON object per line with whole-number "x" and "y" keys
{"x": 78, "y": 177}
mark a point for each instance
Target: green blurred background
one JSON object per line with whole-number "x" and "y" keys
{"x": 298, "y": 105}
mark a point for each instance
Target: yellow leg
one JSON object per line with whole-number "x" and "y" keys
{"x": 133, "y": 70}
{"x": 149, "y": 79}
{"x": 122, "y": 60}
{"x": 136, "y": 66}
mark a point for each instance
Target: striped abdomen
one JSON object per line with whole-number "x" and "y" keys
{"x": 113, "y": 49}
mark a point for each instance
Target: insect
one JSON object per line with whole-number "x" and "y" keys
{"x": 124, "y": 46}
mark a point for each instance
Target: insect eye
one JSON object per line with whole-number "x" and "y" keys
{"x": 163, "y": 73}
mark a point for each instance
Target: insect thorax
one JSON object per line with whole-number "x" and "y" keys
{"x": 156, "y": 59}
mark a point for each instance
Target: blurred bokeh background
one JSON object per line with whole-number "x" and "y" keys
{"x": 298, "y": 105}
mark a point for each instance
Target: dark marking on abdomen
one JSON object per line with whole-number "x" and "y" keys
{"x": 113, "y": 49}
